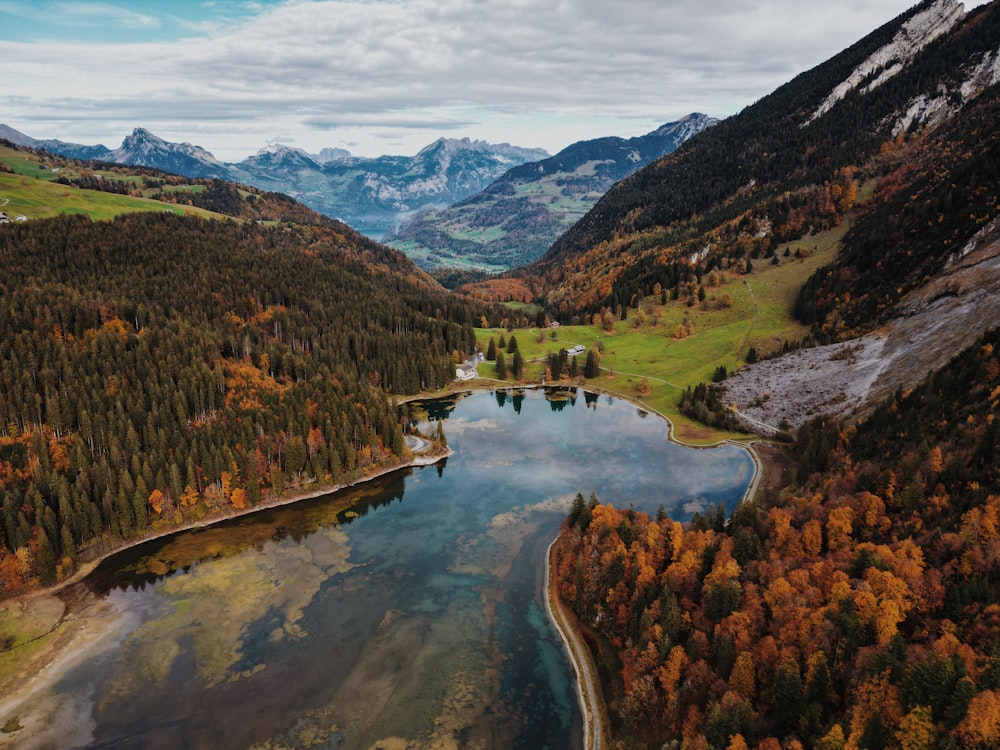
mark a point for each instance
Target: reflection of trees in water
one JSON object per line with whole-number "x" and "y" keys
{"x": 155, "y": 560}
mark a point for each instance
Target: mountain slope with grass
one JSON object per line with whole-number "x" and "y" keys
{"x": 774, "y": 172}
{"x": 857, "y": 607}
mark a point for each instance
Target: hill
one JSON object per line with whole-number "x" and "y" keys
{"x": 857, "y": 607}
{"x": 370, "y": 194}
{"x": 156, "y": 369}
{"x": 778, "y": 170}
{"x": 514, "y": 220}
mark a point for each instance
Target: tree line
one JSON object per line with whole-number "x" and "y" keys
{"x": 155, "y": 369}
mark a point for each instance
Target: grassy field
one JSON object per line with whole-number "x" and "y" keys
{"x": 759, "y": 315}
{"x": 38, "y": 199}
{"x": 31, "y": 191}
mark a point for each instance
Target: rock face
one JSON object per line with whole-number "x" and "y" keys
{"x": 516, "y": 219}
{"x": 889, "y": 60}
{"x": 370, "y": 194}
{"x": 926, "y": 329}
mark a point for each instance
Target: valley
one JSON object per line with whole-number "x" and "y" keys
{"x": 807, "y": 291}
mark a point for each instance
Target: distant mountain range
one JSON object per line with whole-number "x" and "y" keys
{"x": 515, "y": 219}
{"x": 370, "y": 194}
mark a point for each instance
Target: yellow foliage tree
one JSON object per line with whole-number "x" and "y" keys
{"x": 156, "y": 501}
{"x": 917, "y": 730}
{"x": 189, "y": 498}
{"x": 981, "y": 726}
{"x": 238, "y": 498}
{"x": 877, "y": 695}
{"x": 839, "y": 527}
{"x": 743, "y": 677}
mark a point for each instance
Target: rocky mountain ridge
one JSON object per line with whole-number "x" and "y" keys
{"x": 516, "y": 218}
{"x": 370, "y": 194}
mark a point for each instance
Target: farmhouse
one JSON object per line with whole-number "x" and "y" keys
{"x": 576, "y": 350}
{"x": 467, "y": 370}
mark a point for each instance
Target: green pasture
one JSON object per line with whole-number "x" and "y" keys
{"x": 38, "y": 199}
{"x": 759, "y": 314}
{"x": 27, "y": 166}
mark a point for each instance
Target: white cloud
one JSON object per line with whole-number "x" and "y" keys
{"x": 397, "y": 73}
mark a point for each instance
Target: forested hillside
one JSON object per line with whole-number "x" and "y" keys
{"x": 859, "y": 610}
{"x": 932, "y": 196}
{"x": 155, "y": 368}
{"x": 779, "y": 170}
{"x": 859, "y": 607}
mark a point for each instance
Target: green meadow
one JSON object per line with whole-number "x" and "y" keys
{"x": 30, "y": 191}
{"x": 643, "y": 358}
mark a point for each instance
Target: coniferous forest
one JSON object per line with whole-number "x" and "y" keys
{"x": 155, "y": 369}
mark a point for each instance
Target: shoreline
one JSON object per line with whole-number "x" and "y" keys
{"x": 229, "y": 514}
{"x": 80, "y": 627}
{"x": 589, "y": 694}
{"x": 588, "y": 688}
{"x": 595, "y": 717}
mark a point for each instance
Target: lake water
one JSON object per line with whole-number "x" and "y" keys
{"x": 415, "y": 619}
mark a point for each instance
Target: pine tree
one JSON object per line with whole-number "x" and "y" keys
{"x": 501, "y": 366}
{"x": 518, "y": 365}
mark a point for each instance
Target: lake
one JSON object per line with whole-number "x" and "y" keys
{"x": 405, "y": 613}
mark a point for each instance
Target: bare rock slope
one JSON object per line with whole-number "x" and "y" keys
{"x": 929, "y": 327}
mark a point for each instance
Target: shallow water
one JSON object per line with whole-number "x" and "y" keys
{"x": 413, "y": 620}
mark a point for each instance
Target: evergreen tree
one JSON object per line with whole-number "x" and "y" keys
{"x": 517, "y": 366}
{"x": 501, "y": 366}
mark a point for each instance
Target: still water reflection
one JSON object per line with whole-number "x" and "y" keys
{"x": 404, "y": 614}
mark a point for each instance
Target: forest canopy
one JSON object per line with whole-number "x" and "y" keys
{"x": 156, "y": 368}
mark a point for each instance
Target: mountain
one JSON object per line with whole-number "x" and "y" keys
{"x": 142, "y": 148}
{"x": 854, "y": 604}
{"x": 778, "y": 170}
{"x": 370, "y": 194}
{"x": 374, "y": 194}
{"x": 516, "y": 219}
{"x": 72, "y": 150}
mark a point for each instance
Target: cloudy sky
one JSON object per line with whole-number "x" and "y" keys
{"x": 390, "y": 76}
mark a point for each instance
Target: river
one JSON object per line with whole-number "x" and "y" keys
{"x": 405, "y": 613}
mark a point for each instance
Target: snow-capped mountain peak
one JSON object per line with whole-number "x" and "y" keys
{"x": 146, "y": 149}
